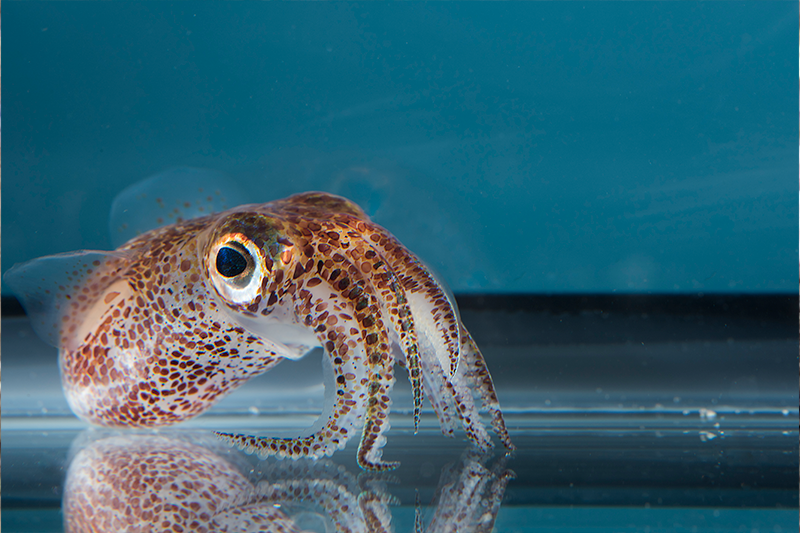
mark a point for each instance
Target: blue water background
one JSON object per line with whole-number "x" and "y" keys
{"x": 517, "y": 147}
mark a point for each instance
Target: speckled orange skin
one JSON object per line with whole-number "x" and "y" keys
{"x": 151, "y": 339}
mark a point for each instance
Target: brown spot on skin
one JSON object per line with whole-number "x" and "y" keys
{"x": 298, "y": 271}
{"x": 110, "y": 297}
{"x": 186, "y": 265}
{"x": 355, "y": 292}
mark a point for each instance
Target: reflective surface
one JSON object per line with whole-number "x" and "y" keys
{"x": 182, "y": 481}
{"x": 615, "y": 478}
{"x": 660, "y": 421}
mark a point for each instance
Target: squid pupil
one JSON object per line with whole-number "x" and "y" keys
{"x": 230, "y": 262}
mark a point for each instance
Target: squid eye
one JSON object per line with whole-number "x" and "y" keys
{"x": 237, "y": 268}
{"x": 230, "y": 262}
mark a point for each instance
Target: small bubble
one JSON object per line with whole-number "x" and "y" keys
{"x": 707, "y": 414}
{"x": 707, "y": 436}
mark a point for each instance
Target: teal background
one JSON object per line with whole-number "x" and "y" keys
{"x": 517, "y": 147}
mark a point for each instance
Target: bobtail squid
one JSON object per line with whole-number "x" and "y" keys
{"x": 177, "y": 317}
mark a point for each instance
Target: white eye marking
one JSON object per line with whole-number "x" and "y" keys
{"x": 236, "y": 267}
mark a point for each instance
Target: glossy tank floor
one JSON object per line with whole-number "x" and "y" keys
{"x": 662, "y": 415}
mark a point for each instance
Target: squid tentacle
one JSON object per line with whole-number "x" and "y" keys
{"x": 461, "y": 394}
{"x": 395, "y": 305}
{"x": 424, "y": 293}
{"x": 482, "y": 380}
{"x": 348, "y": 276}
{"x": 342, "y": 420}
{"x": 437, "y": 392}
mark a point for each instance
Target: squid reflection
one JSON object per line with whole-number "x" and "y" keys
{"x": 180, "y": 482}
